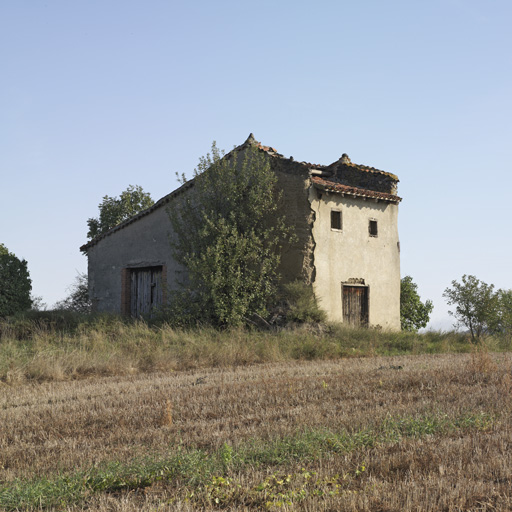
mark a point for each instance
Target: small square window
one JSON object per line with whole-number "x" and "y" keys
{"x": 372, "y": 228}
{"x": 336, "y": 220}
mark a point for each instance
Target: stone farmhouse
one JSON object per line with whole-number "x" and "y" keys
{"x": 345, "y": 219}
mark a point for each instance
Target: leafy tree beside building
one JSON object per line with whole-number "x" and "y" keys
{"x": 15, "y": 284}
{"x": 113, "y": 210}
{"x": 228, "y": 236}
{"x": 414, "y": 314}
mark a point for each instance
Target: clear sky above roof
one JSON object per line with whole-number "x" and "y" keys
{"x": 98, "y": 95}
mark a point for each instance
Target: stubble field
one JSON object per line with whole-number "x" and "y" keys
{"x": 382, "y": 434}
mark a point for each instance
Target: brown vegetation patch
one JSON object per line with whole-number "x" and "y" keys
{"x": 64, "y": 426}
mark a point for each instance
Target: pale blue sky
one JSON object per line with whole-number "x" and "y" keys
{"x": 96, "y": 95}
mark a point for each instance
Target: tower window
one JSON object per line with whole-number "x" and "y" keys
{"x": 372, "y": 228}
{"x": 336, "y": 220}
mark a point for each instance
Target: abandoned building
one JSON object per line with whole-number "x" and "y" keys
{"x": 345, "y": 219}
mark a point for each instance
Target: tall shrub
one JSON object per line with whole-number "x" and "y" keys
{"x": 414, "y": 314}
{"x": 228, "y": 235}
{"x": 78, "y": 298}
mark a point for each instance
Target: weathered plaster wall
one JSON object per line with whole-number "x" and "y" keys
{"x": 140, "y": 244}
{"x": 318, "y": 255}
{"x": 297, "y": 260}
{"x": 353, "y": 253}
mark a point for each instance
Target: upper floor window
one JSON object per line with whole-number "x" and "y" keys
{"x": 373, "y": 229}
{"x": 336, "y": 221}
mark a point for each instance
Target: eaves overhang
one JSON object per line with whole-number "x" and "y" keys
{"x": 339, "y": 188}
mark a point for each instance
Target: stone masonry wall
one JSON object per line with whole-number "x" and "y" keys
{"x": 297, "y": 258}
{"x": 356, "y": 177}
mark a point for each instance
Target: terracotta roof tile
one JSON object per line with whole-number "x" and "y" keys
{"x": 331, "y": 167}
{"x": 333, "y": 186}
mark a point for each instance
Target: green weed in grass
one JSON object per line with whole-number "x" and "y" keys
{"x": 206, "y": 475}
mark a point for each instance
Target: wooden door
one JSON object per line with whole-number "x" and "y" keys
{"x": 145, "y": 291}
{"x": 355, "y": 305}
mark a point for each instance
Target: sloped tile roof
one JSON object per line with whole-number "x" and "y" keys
{"x": 319, "y": 182}
{"x": 344, "y": 161}
{"x": 333, "y": 186}
{"x": 251, "y": 141}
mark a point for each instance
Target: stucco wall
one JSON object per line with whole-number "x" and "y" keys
{"x": 143, "y": 243}
{"x": 297, "y": 261}
{"x": 353, "y": 254}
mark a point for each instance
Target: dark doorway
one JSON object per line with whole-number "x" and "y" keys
{"x": 355, "y": 305}
{"x": 146, "y": 293}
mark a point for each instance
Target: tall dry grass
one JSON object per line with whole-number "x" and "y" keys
{"x": 59, "y": 346}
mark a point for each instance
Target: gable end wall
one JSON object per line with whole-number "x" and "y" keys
{"x": 144, "y": 243}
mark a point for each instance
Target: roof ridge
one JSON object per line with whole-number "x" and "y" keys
{"x": 269, "y": 150}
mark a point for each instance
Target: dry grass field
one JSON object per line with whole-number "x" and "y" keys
{"x": 53, "y": 346}
{"x": 417, "y": 432}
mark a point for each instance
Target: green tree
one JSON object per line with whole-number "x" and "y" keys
{"x": 15, "y": 284}
{"x": 228, "y": 233}
{"x": 414, "y": 314}
{"x": 113, "y": 210}
{"x": 476, "y": 305}
{"x": 78, "y": 298}
{"x": 503, "y": 321}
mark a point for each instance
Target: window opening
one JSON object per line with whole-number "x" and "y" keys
{"x": 372, "y": 228}
{"x": 336, "y": 220}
